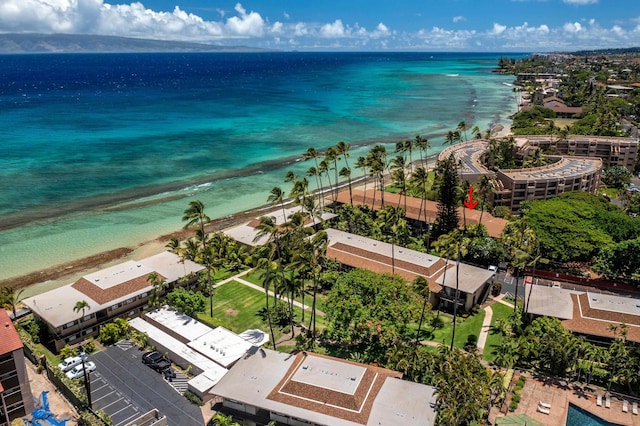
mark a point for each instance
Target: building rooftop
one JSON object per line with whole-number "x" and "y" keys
{"x": 418, "y": 209}
{"x": 9, "y": 338}
{"x": 108, "y": 287}
{"x": 248, "y": 234}
{"x": 321, "y": 390}
{"x": 182, "y": 326}
{"x": 566, "y": 167}
{"x": 549, "y": 301}
{"x": 221, "y": 345}
{"x": 374, "y": 255}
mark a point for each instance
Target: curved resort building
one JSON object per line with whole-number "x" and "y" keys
{"x": 579, "y": 161}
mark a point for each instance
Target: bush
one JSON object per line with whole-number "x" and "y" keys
{"x": 68, "y": 352}
{"x": 193, "y": 398}
{"x": 513, "y": 406}
{"x": 110, "y": 333}
{"x": 516, "y": 398}
{"x": 437, "y": 323}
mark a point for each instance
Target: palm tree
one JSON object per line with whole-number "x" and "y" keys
{"x": 519, "y": 241}
{"x": 462, "y": 128}
{"x": 174, "y": 246}
{"x": 377, "y": 160}
{"x": 311, "y": 153}
{"x": 484, "y": 188}
{"x": 268, "y": 226}
{"x": 475, "y": 131}
{"x": 421, "y": 285}
{"x": 10, "y": 298}
{"x": 323, "y": 168}
{"x": 398, "y": 168}
{"x": 159, "y": 286}
{"x": 332, "y": 156}
{"x": 345, "y": 172}
{"x": 312, "y": 171}
{"x": 194, "y": 215}
{"x": 343, "y": 150}
{"x": 392, "y": 218}
{"x": 311, "y": 256}
{"x": 361, "y": 163}
{"x": 81, "y": 306}
{"x": 420, "y": 178}
{"x": 276, "y": 196}
{"x": 423, "y": 145}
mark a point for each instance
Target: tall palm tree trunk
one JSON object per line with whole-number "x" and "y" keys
{"x": 455, "y": 302}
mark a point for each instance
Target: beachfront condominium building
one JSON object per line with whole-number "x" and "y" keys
{"x": 578, "y": 162}
{"x": 122, "y": 291}
{"x": 15, "y": 393}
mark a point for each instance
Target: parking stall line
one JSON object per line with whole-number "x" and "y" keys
{"x": 109, "y": 405}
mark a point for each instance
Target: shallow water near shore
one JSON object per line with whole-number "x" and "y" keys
{"x": 105, "y": 151}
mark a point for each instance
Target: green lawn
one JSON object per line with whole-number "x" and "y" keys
{"x": 464, "y": 328}
{"x": 321, "y": 299}
{"x": 235, "y": 306}
{"x": 494, "y": 340}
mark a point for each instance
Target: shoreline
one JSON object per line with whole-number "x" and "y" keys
{"x": 44, "y": 279}
{"x": 54, "y": 276}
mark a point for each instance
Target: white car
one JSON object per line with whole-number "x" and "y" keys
{"x": 76, "y": 372}
{"x": 68, "y": 363}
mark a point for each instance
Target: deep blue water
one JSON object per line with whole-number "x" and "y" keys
{"x": 84, "y": 138}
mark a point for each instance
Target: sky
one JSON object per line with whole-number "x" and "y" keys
{"x": 363, "y": 25}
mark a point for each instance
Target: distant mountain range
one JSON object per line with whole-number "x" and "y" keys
{"x": 77, "y": 43}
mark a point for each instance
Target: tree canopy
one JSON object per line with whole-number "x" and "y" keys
{"x": 575, "y": 226}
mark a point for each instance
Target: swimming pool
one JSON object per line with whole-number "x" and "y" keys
{"x": 579, "y": 417}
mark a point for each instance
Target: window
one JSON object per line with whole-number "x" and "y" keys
{"x": 87, "y": 317}
{"x": 69, "y": 324}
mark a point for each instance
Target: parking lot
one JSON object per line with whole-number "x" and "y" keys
{"x": 123, "y": 387}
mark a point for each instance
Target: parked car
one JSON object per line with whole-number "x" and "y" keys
{"x": 77, "y": 372}
{"x": 68, "y": 363}
{"x": 156, "y": 361}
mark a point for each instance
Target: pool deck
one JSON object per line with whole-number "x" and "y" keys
{"x": 552, "y": 392}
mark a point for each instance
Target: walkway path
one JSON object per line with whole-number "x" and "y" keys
{"x": 504, "y": 302}
{"x": 484, "y": 331}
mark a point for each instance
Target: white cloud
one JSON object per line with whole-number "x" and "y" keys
{"x": 135, "y": 20}
{"x": 333, "y": 30}
{"x": 581, "y": 2}
{"x": 572, "y": 27}
{"x": 498, "y": 29}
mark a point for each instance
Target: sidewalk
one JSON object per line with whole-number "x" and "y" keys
{"x": 484, "y": 331}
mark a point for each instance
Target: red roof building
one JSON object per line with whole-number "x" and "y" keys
{"x": 15, "y": 392}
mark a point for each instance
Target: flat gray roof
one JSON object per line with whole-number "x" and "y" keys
{"x": 471, "y": 280}
{"x": 394, "y": 407}
{"x": 611, "y": 303}
{"x": 330, "y": 374}
{"x": 549, "y": 301}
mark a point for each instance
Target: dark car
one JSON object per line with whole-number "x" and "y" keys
{"x": 156, "y": 361}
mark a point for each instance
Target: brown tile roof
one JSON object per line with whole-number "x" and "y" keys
{"x": 596, "y": 322}
{"x": 355, "y": 408}
{"x": 115, "y": 292}
{"x": 417, "y": 210}
{"x": 9, "y": 338}
{"x": 379, "y": 263}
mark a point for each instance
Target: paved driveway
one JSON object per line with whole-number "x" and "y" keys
{"x": 135, "y": 386}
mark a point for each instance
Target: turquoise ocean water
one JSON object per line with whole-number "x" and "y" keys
{"x": 99, "y": 151}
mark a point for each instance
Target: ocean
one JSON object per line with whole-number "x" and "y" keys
{"x": 100, "y": 151}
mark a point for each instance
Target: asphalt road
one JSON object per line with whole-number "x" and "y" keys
{"x": 138, "y": 386}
